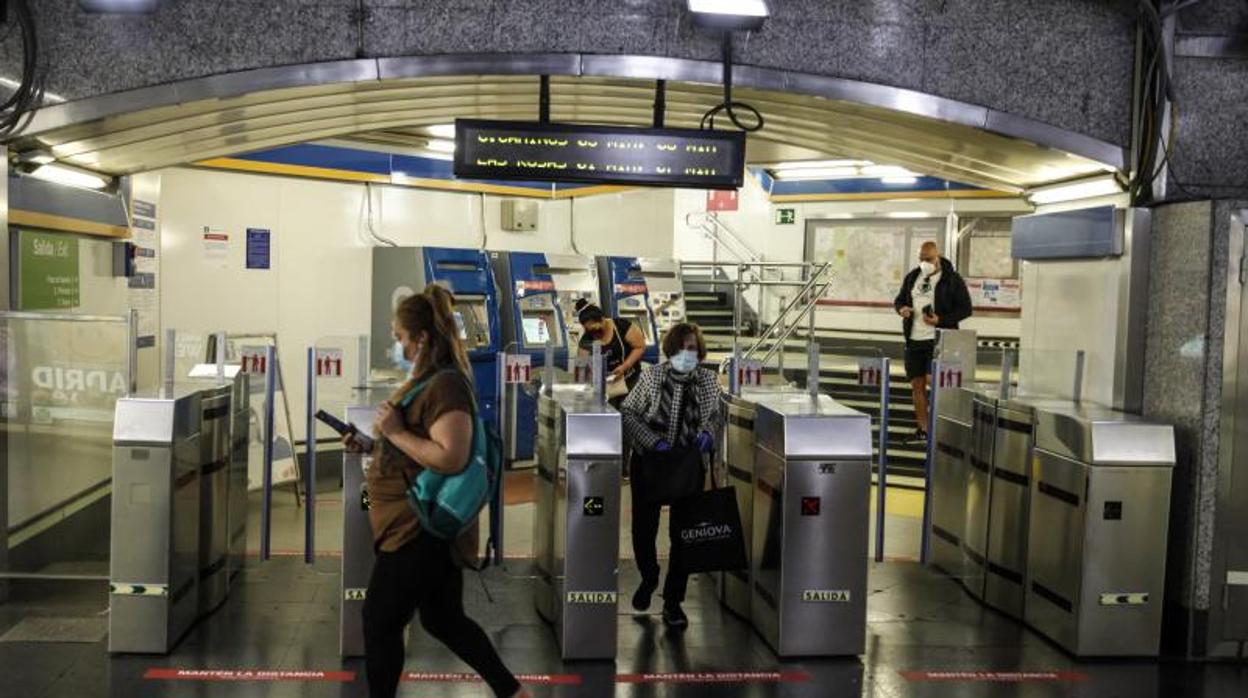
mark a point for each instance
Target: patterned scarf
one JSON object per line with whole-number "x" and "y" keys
{"x": 678, "y": 412}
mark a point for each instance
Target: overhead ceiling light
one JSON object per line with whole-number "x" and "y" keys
{"x": 35, "y": 157}
{"x": 438, "y": 145}
{"x": 818, "y": 173}
{"x": 909, "y": 214}
{"x": 899, "y": 180}
{"x": 441, "y": 130}
{"x": 887, "y": 171}
{"x": 119, "y": 6}
{"x": 1105, "y": 185}
{"x": 744, "y": 15}
{"x": 816, "y": 164}
{"x": 69, "y": 176}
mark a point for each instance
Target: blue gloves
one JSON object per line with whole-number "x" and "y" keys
{"x": 705, "y": 442}
{"x": 662, "y": 446}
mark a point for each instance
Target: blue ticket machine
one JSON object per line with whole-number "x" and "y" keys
{"x": 539, "y": 293}
{"x": 647, "y": 292}
{"x": 399, "y": 272}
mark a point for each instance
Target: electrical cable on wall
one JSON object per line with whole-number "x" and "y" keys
{"x": 368, "y": 219}
{"x": 729, "y": 106}
{"x": 17, "y": 110}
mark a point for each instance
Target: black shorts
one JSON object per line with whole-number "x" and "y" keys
{"x": 919, "y": 358}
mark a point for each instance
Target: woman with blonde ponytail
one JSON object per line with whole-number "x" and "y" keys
{"x": 428, "y": 423}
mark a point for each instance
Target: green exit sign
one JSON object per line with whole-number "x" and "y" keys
{"x": 786, "y": 216}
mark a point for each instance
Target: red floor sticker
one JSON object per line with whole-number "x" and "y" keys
{"x": 717, "y": 677}
{"x": 535, "y": 679}
{"x": 247, "y": 675}
{"x": 994, "y": 676}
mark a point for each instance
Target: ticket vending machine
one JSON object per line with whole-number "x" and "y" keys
{"x": 647, "y": 292}
{"x": 399, "y": 272}
{"x": 539, "y": 293}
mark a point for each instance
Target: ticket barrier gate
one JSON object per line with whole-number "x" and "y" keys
{"x": 811, "y": 517}
{"x": 1100, "y": 503}
{"x": 736, "y": 461}
{"x": 357, "y": 532}
{"x": 214, "y": 495}
{"x": 577, "y": 520}
{"x": 1009, "y": 503}
{"x": 949, "y": 480}
{"x": 154, "y": 567}
{"x": 978, "y": 491}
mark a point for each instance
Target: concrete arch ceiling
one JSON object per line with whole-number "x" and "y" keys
{"x": 386, "y": 100}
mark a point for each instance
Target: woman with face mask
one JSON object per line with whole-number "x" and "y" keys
{"x": 623, "y": 343}
{"x": 673, "y": 411}
{"x": 428, "y": 423}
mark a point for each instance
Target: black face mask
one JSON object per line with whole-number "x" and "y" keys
{"x": 598, "y": 333}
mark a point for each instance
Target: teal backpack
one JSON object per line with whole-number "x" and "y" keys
{"x": 448, "y": 504}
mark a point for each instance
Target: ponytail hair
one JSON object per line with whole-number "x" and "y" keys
{"x": 433, "y": 311}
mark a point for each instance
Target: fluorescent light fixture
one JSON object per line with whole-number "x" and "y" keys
{"x": 1104, "y": 185}
{"x": 744, "y": 15}
{"x": 899, "y": 180}
{"x": 815, "y": 164}
{"x": 69, "y": 176}
{"x": 908, "y": 214}
{"x": 819, "y": 173}
{"x": 441, "y": 130}
{"x": 887, "y": 171}
{"x": 118, "y": 6}
{"x": 439, "y": 145}
{"x": 35, "y": 157}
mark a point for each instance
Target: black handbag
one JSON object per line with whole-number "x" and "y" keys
{"x": 708, "y": 534}
{"x": 665, "y": 476}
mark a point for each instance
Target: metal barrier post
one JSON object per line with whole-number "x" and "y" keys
{"x": 309, "y": 470}
{"x": 733, "y": 382}
{"x": 1077, "y": 393}
{"x": 1007, "y": 370}
{"x": 361, "y": 366}
{"x": 548, "y": 369}
{"x": 496, "y": 505}
{"x": 270, "y": 394}
{"x": 171, "y": 359}
{"x": 812, "y": 370}
{"x": 132, "y": 351}
{"x": 934, "y": 391}
{"x": 220, "y": 358}
{"x": 882, "y": 475}
{"x": 599, "y": 375}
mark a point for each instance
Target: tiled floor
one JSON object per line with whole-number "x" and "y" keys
{"x": 282, "y": 617}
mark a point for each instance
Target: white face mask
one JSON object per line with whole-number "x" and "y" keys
{"x": 927, "y": 268}
{"x": 684, "y": 361}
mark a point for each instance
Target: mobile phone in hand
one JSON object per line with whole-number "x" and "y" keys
{"x": 344, "y": 429}
{"x": 928, "y": 311}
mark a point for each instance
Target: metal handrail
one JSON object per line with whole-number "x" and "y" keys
{"x": 817, "y": 279}
{"x": 779, "y": 343}
{"x": 712, "y": 226}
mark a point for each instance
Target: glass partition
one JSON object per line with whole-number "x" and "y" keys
{"x": 248, "y": 351}
{"x": 60, "y": 377}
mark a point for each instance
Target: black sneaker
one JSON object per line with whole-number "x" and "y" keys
{"x": 675, "y": 618}
{"x": 920, "y": 437}
{"x": 641, "y": 597}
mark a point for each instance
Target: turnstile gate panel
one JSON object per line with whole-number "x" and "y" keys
{"x": 357, "y": 533}
{"x": 812, "y": 488}
{"x": 214, "y": 493}
{"x": 154, "y": 547}
{"x": 949, "y": 480}
{"x": 1100, "y": 502}
{"x": 549, "y": 436}
{"x": 978, "y": 493}
{"x": 1008, "y": 510}
{"x": 585, "y": 525}
{"x": 736, "y": 462}
{"x": 240, "y": 449}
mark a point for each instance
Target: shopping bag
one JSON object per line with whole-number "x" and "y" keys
{"x": 708, "y": 535}
{"x": 664, "y": 477}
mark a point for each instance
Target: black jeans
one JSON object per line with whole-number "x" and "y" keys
{"x": 421, "y": 575}
{"x": 645, "y": 531}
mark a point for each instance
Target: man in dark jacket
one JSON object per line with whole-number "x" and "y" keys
{"x": 933, "y": 296}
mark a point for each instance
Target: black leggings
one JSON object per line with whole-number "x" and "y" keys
{"x": 421, "y": 575}
{"x": 645, "y": 531}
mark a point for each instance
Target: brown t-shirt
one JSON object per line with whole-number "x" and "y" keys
{"x": 393, "y": 521}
